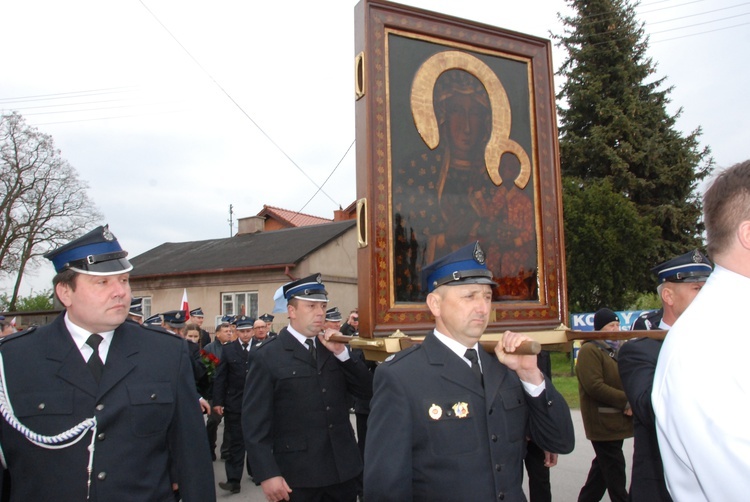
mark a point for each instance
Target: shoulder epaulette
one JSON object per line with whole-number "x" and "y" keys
{"x": 401, "y": 355}
{"x": 160, "y": 330}
{"x": 18, "y": 334}
{"x": 264, "y": 343}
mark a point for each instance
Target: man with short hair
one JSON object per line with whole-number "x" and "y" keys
{"x": 351, "y": 326}
{"x": 260, "y": 333}
{"x": 123, "y": 394}
{"x": 295, "y": 415}
{"x": 229, "y": 386}
{"x": 447, "y": 420}
{"x": 701, "y": 389}
{"x": 680, "y": 280}
{"x": 222, "y": 336}
{"x": 231, "y": 321}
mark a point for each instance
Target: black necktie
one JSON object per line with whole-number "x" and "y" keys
{"x": 311, "y": 346}
{"x": 244, "y": 347}
{"x": 472, "y": 356}
{"x": 95, "y": 363}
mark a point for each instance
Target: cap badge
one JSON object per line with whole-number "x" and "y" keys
{"x": 697, "y": 258}
{"x": 435, "y": 412}
{"x": 461, "y": 410}
{"x": 107, "y": 234}
{"x": 478, "y": 254}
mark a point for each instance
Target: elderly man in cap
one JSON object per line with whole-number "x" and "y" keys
{"x": 295, "y": 415}
{"x": 260, "y": 333}
{"x": 701, "y": 384}
{"x": 680, "y": 280}
{"x": 447, "y": 420}
{"x": 97, "y": 407}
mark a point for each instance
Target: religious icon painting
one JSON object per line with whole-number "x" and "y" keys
{"x": 456, "y": 143}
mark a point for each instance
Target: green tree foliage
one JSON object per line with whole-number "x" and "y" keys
{"x": 32, "y": 303}
{"x": 600, "y": 227}
{"x": 614, "y": 126}
{"x": 646, "y": 301}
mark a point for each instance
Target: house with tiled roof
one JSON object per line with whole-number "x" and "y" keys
{"x": 240, "y": 274}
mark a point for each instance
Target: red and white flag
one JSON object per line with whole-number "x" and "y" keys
{"x": 185, "y": 304}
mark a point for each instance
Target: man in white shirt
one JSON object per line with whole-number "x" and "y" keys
{"x": 701, "y": 387}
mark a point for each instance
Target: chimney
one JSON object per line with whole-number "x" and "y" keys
{"x": 250, "y": 225}
{"x": 342, "y": 215}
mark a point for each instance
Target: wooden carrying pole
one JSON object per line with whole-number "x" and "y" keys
{"x": 529, "y": 347}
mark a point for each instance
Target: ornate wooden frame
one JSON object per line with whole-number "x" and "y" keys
{"x": 391, "y": 38}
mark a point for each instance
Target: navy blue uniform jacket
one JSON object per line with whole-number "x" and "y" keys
{"x": 636, "y": 362}
{"x": 229, "y": 382}
{"x": 146, "y": 407}
{"x": 295, "y": 416}
{"x": 434, "y": 434}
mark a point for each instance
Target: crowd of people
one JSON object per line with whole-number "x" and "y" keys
{"x": 96, "y": 406}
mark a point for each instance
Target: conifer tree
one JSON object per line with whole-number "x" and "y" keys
{"x": 614, "y": 126}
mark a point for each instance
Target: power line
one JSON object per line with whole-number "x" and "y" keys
{"x": 320, "y": 189}
{"x": 700, "y": 14}
{"x": 701, "y": 24}
{"x": 66, "y": 95}
{"x": 702, "y": 32}
{"x": 109, "y": 118}
{"x": 329, "y": 177}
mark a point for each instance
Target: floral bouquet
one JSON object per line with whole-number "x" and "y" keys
{"x": 210, "y": 361}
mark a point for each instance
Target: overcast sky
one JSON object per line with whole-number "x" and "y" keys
{"x": 173, "y": 110}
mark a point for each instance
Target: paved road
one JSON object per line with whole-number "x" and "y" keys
{"x": 567, "y": 477}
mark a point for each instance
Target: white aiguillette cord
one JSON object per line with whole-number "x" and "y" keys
{"x": 62, "y": 440}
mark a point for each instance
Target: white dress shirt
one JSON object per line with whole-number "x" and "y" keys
{"x": 701, "y": 395}
{"x": 80, "y": 336}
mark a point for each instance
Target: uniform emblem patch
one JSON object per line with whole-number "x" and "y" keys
{"x": 461, "y": 410}
{"x": 435, "y": 412}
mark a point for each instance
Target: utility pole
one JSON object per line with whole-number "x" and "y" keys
{"x": 231, "y": 224}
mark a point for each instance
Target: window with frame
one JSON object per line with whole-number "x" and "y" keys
{"x": 245, "y": 303}
{"x": 146, "y": 307}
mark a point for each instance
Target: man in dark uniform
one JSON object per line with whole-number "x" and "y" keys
{"x": 154, "y": 320}
{"x": 136, "y": 310}
{"x": 260, "y": 333}
{"x": 174, "y": 321}
{"x": 268, "y": 319}
{"x": 447, "y": 420}
{"x": 222, "y": 336}
{"x": 680, "y": 280}
{"x": 295, "y": 413}
{"x": 125, "y": 391}
{"x": 229, "y": 386}
{"x": 198, "y": 317}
